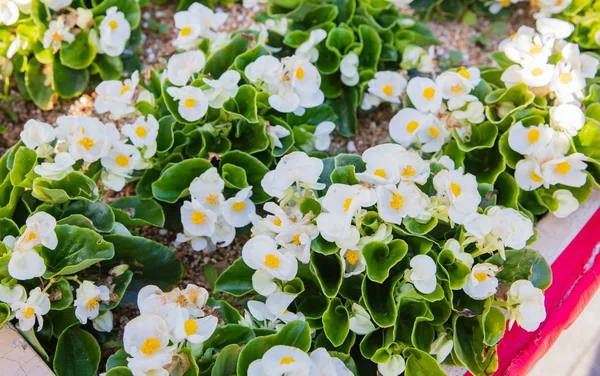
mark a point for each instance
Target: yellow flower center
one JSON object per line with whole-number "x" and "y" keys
{"x": 481, "y": 276}
{"x": 190, "y": 327}
{"x": 429, "y": 93}
{"x": 238, "y": 206}
{"x": 287, "y": 360}
{"x": 412, "y": 126}
{"x": 351, "y": 256}
{"x": 185, "y": 31}
{"x": 536, "y": 72}
{"x": 57, "y": 37}
{"x": 565, "y": 78}
{"x": 388, "y": 90}
{"x": 150, "y": 346}
{"x": 113, "y": 24}
{"x": 347, "y": 203}
{"x": 300, "y": 73}
{"x": 380, "y": 172}
{"x": 272, "y": 261}
{"x": 182, "y": 301}
{"x": 559, "y": 3}
{"x": 457, "y": 89}
{"x": 32, "y": 235}
{"x": 464, "y": 73}
{"x": 533, "y": 135}
{"x": 141, "y": 131}
{"x": 504, "y": 3}
{"x": 87, "y": 143}
{"x": 535, "y": 177}
{"x": 124, "y": 89}
{"x": 212, "y": 199}
{"x": 563, "y": 167}
{"x": 296, "y": 239}
{"x": 433, "y": 132}
{"x": 92, "y": 304}
{"x": 189, "y": 103}
{"x": 408, "y": 171}
{"x": 277, "y": 222}
{"x": 397, "y": 201}
{"x": 28, "y": 312}
{"x": 197, "y": 218}
{"x": 122, "y": 160}
{"x": 535, "y": 49}
{"x": 456, "y": 189}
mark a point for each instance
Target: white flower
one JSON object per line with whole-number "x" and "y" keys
{"x": 567, "y": 170}
{"x": 38, "y": 136}
{"x": 197, "y": 220}
{"x": 182, "y": 67}
{"x": 26, "y": 264}
{"x": 207, "y": 189}
{"x": 57, "y": 5}
{"x": 264, "y": 70}
{"x": 382, "y": 165}
{"x": 308, "y": 49}
{"x": 329, "y": 365}
{"x": 568, "y": 118}
{"x": 57, "y": 33}
{"x": 394, "y": 366}
{"x": 344, "y": 199}
{"x": 114, "y": 32}
{"x": 482, "y": 282}
{"x": 296, "y": 167}
{"x": 142, "y": 133}
{"x": 528, "y": 174}
{"x": 334, "y": 226}
{"x": 360, "y": 320}
{"x": 442, "y": 347}
{"x": 263, "y": 282}
{"x": 559, "y": 29}
{"x": 526, "y": 305}
{"x": 422, "y": 274}
{"x": 91, "y": 139}
{"x": 553, "y": 6}
{"x": 103, "y": 322}
{"x": 222, "y": 89}
{"x": 459, "y": 191}
{"x": 275, "y": 308}
{"x": 458, "y": 251}
{"x": 146, "y": 339}
{"x": 12, "y": 295}
{"x": 85, "y": 18}
{"x": 37, "y": 305}
{"x": 9, "y": 13}
{"x": 405, "y": 125}
{"x": 529, "y": 140}
{"x": 298, "y": 86}
{"x": 349, "y": 69}
{"x": 277, "y": 132}
{"x": 567, "y": 81}
{"x": 472, "y": 75}
{"x": 452, "y": 85}
{"x": 321, "y": 136}
{"x": 87, "y": 302}
{"x": 196, "y": 331}
{"x": 62, "y": 165}
{"x": 424, "y": 94}
{"x": 473, "y": 113}
{"x": 197, "y": 22}
{"x": 261, "y": 252}
{"x": 283, "y": 360}
{"x": 238, "y": 210}
{"x": 497, "y": 5}
{"x": 116, "y": 97}
{"x": 388, "y": 86}
{"x": 39, "y": 231}
{"x": 567, "y": 203}
{"x": 433, "y": 135}
{"x": 535, "y": 74}
{"x": 354, "y": 261}
{"x": 405, "y": 200}
{"x": 119, "y": 164}
{"x": 193, "y": 103}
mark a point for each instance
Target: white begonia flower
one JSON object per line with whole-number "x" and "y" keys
{"x": 39, "y": 231}
{"x": 527, "y": 141}
{"x": 589, "y": 64}
{"x": 57, "y": 33}
{"x": 88, "y": 298}
{"x": 116, "y": 97}
{"x": 297, "y": 238}
{"x": 308, "y": 49}
{"x": 482, "y": 282}
{"x": 322, "y": 135}
{"x": 264, "y": 71}
{"x": 473, "y": 113}
{"x": 296, "y": 167}
{"x": 413, "y": 168}
{"x": 193, "y": 102}
{"x": 263, "y": 283}
{"x": 442, "y": 347}
{"x": 424, "y": 94}
{"x": 354, "y": 261}
{"x": 460, "y": 191}
{"x": 495, "y": 6}
{"x": 38, "y": 136}
{"x": 197, "y": 220}
{"x": 9, "y": 12}
{"x": 567, "y": 203}
{"x": 283, "y": 360}
{"x": 143, "y": 133}
{"x": 360, "y": 320}
{"x": 412, "y": 57}
{"x": 394, "y": 366}
{"x": 567, "y": 170}
{"x": 114, "y": 32}
{"x": 349, "y": 69}
{"x": 369, "y": 101}
{"x": 11, "y": 295}
{"x": 405, "y": 125}
{"x": 238, "y": 210}
{"x": 85, "y": 18}
{"x": 559, "y": 29}
{"x": 553, "y": 6}
{"x": 526, "y": 304}
{"x": 26, "y": 264}
{"x": 209, "y": 20}
{"x": 62, "y": 165}
{"x": 433, "y": 136}
{"x": 405, "y": 200}
{"x": 388, "y": 86}
{"x": 458, "y": 251}
{"x": 334, "y": 227}
{"x": 472, "y": 75}
{"x": 196, "y": 331}
{"x": 329, "y": 365}
{"x": 146, "y": 339}
{"x": 567, "y": 81}
{"x": 224, "y": 233}
{"x": 222, "y": 89}
{"x": 92, "y": 140}
{"x": 183, "y": 66}
{"x": 276, "y": 133}
{"x": 511, "y": 76}
{"x": 103, "y": 322}
{"x": 190, "y": 30}
{"x": 57, "y": 5}
{"x": 261, "y": 252}
{"x": 452, "y": 85}
{"x": 207, "y": 189}
{"x": 36, "y": 305}
{"x": 568, "y": 118}
{"x": 344, "y": 199}
{"x": 528, "y": 174}
{"x": 422, "y": 274}
{"x": 298, "y": 86}
{"x": 381, "y": 166}
{"x": 121, "y": 161}
{"x": 535, "y": 74}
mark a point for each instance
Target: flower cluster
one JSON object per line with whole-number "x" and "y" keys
{"x": 196, "y": 23}
{"x": 284, "y": 359}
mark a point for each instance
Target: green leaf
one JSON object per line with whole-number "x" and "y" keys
{"x": 174, "y": 182}
{"x": 77, "y": 249}
{"x": 226, "y": 362}
{"x": 420, "y": 363}
{"x": 109, "y": 67}
{"x": 523, "y": 264}
{"x": 483, "y": 136}
{"x": 486, "y": 164}
{"x": 77, "y": 354}
{"x": 381, "y": 258}
{"x": 336, "y": 322}
{"x": 62, "y": 320}
{"x": 61, "y": 295}
{"x": 21, "y": 174}
{"x": 507, "y": 191}
{"x": 229, "y": 334}
{"x": 119, "y": 371}
{"x": 243, "y": 105}
{"x": 118, "y": 359}
{"x": 310, "y": 205}
{"x": 229, "y": 314}
{"x": 379, "y": 300}
{"x": 255, "y": 171}
{"x": 493, "y": 324}
{"x": 221, "y": 60}
{"x": 236, "y": 279}
{"x": 74, "y": 186}
{"x": 132, "y": 211}
{"x": 417, "y": 228}
{"x": 97, "y": 213}
{"x": 38, "y": 85}
{"x": 371, "y": 51}
{"x": 456, "y": 271}
{"x": 345, "y": 106}
{"x": 511, "y": 157}
{"x": 4, "y": 314}
{"x": 328, "y": 270}
{"x": 469, "y": 346}
{"x": 68, "y": 82}
{"x": 78, "y": 54}
{"x": 344, "y": 175}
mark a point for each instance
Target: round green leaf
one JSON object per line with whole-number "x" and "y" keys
{"x": 78, "y": 54}
{"x": 174, "y": 182}
{"x": 381, "y": 258}
{"x": 336, "y": 322}
{"x": 77, "y": 354}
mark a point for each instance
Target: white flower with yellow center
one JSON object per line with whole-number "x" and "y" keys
{"x": 526, "y": 305}
{"x": 566, "y": 203}
{"x": 308, "y": 49}
{"x": 283, "y": 360}
{"x": 146, "y": 340}
{"x": 122, "y": 160}
{"x": 422, "y": 274}
{"x": 528, "y": 174}
{"x": 189, "y": 30}
{"x": 208, "y": 190}
{"x": 56, "y": 34}
{"x": 354, "y": 261}
{"x": 114, "y": 32}
{"x": 143, "y": 133}
{"x": 222, "y": 89}
{"x": 388, "y": 86}
{"x": 298, "y": 86}
{"x": 197, "y": 220}
{"x": 238, "y": 210}
{"x": 88, "y": 299}
{"x": 433, "y": 135}
{"x": 116, "y": 97}
{"x": 261, "y": 252}
{"x": 329, "y": 365}
{"x": 529, "y": 140}
{"x": 535, "y": 74}
{"x": 567, "y": 81}
{"x": 424, "y": 94}
{"x": 196, "y": 331}
{"x": 382, "y": 166}
{"x": 349, "y": 69}
{"x": 394, "y": 203}
{"x": 559, "y": 29}
{"x": 296, "y": 167}
{"x": 37, "y": 305}
{"x": 57, "y": 5}
{"x": 567, "y": 170}
{"x": 459, "y": 192}
{"x": 360, "y": 320}
{"x": 453, "y": 85}
{"x": 91, "y": 139}
{"x": 39, "y": 231}
{"x": 183, "y": 66}
{"x": 405, "y": 125}
{"x": 553, "y": 6}
{"x": 472, "y": 75}
{"x": 482, "y": 282}
{"x": 334, "y": 226}
{"x": 297, "y": 238}
{"x": 413, "y": 168}
{"x": 62, "y": 165}
{"x": 38, "y": 136}
{"x": 264, "y": 72}
{"x": 344, "y": 199}
{"x": 567, "y": 118}
{"x": 193, "y": 103}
